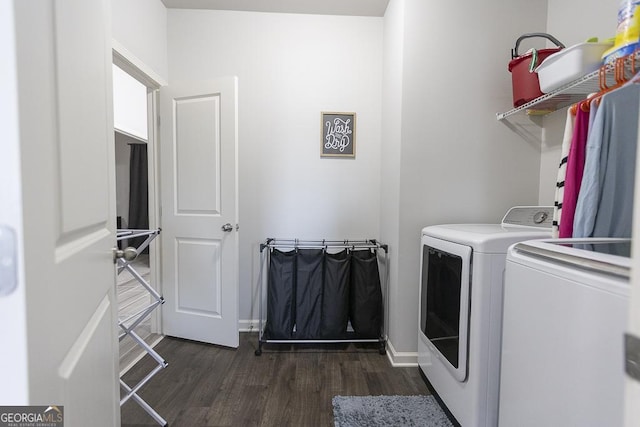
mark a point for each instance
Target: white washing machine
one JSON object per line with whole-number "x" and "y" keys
{"x": 461, "y": 281}
{"x": 566, "y": 305}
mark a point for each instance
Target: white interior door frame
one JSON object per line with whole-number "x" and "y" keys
{"x": 138, "y": 70}
{"x": 127, "y": 61}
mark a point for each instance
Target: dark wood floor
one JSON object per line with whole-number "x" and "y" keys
{"x": 206, "y": 385}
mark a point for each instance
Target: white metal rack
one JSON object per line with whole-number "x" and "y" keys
{"x": 321, "y": 244}
{"x": 128, "y": 324}
{"x": 564, "y": 96}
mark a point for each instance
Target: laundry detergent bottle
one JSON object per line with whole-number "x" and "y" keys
{"x": 627, "y": 32}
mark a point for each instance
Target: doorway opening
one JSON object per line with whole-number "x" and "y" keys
{"x": 135, "y": 205}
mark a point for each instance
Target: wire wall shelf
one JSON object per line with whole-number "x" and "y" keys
{"x": 574, "y": 91}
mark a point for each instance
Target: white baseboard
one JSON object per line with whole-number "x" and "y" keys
{"x": 248, "y": 325}
{"x": 405, "y": 359}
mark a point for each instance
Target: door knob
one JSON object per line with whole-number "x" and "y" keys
{"x": 227, "y": 228}
{"x": 129, "y": 254}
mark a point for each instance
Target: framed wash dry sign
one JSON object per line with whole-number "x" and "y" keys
{"x": 338, "y": 135}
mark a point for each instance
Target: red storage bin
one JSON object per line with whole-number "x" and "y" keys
{"x": 523, "y": 79}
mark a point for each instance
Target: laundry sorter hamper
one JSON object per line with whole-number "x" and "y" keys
{"x": 322, "y": 291}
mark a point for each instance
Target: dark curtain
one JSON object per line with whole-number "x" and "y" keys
{"x": 138, "y": 192}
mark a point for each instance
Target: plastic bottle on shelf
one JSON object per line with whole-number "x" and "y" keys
{"x": 628, "y": 31}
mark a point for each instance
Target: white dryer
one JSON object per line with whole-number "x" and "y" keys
{"x": 461, "y": 282}
{"x": 566, "y": 310}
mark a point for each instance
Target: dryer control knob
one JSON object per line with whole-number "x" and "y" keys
{"x": 540, "y": 217}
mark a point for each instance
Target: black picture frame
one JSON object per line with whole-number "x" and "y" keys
{"x": 337, "y": 134}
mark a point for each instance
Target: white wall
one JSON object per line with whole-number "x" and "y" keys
{"x": 390, "y": 152}
{"x": 140, "y": 26}
{"x": 571, "y": 22}
{"x": 290, "y": 68}
{"x": 574, "y": 21}
{"x": 129, "y": 105}
{"x": 458, "y": 164}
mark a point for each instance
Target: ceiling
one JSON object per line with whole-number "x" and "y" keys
{"x": 319, "y": 7}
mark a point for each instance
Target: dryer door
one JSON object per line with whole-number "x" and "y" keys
{"x": 445, "y": 299}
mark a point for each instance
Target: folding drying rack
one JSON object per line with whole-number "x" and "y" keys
{"x": 131, "y": 322}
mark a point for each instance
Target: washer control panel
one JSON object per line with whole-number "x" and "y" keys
{"x": 529, "y": 216}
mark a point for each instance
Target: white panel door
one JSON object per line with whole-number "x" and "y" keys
{"x": 67, "y": 286}
{"x": 199, "y": 210}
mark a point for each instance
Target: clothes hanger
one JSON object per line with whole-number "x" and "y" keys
{"x": 602, "y": 85}
{"x": 602, "y": 75}
{"x": 620, "y": 78}
{"x": 619, "y": 74}
{"x": 634, "y": 72}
